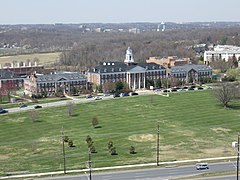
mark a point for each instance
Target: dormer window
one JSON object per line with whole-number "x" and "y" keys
{"x": 120, "y": 69}
{"x": 146, "y": 67}
{"x": 153, "y": 67}
{"x": 112, "y": 69}
{"x": 105, "y": 70}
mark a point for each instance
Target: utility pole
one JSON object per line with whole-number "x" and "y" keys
{"x": 238, "y": 157}
{"x": 63, "y": 149}
{"x": 90, "y": 164}
{"x": 158, "y": 143}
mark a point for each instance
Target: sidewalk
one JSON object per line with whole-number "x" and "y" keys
{"x": 117, "y": 167}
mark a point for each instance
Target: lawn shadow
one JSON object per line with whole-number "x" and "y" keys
{"x": 96, "y": 127}
{"x": 234, "y": 107}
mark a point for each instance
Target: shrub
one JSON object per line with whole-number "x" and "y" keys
{"x": 132, "y": 150}
{"x": 65, "y": 138}
{"x": 113, "y": 151}
{"x": 70, "y": 143}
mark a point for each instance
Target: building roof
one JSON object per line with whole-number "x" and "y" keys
{"x": 188, "y": 67}
{"x": 60, "y": 77}
{"x": 7, "y": 74}
{"x": 113, "y": 67}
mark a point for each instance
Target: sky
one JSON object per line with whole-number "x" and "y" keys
{"x": 117, "y": 11}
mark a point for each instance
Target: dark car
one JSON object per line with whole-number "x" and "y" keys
{"x": 3, "y": 111}
{"x": 174, "y": 90}
{"x": 116, "y": 95}
{"x": 200, "y": 88}
{"x": 133, "y": 94}
{"x": 190, "y": 89}
{"x": 22, "y": 105}
{"x": 89, "y": 96}
{"x": 37, "y": 106}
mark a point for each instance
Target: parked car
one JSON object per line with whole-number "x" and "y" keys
{"x": 116, "y": 95}
{"x": 200, "y": 88}
{"x": 98, "y": 98}
{"x": 37, "y": 106}
{"x": 174, "y": 90}
{"x": 202, "y": 166}
{"x": 89, "y": 96}
{"x": 3, "y": 111}
{"x": 124, "y": 94}
{"x": 105, "y": 95}
{"x": 133, "y": 93}
{"x": 165, "y": 90}
{"x": 22, "y": 105}
{"x": 190, "y": 89}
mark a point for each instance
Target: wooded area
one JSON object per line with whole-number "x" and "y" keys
{"x": 84, "y": 50}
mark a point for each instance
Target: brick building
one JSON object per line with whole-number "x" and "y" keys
{"x": 134, "y": 74}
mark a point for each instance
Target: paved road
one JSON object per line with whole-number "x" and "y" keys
{"x": 153, "y": 174}
{"x": 75, "y": 100}
{"x": 58, "y": 103}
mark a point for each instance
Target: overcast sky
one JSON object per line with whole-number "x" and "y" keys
{"x": 117, "y": 11}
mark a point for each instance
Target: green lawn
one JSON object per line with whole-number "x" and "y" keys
{"x": 192, "y": 125}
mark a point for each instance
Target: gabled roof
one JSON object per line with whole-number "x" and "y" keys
{"x": 113, "y": 67}
{"x": 137, "y": 69}
{"x": 60, "y": 77}
{"x": 5, "y": 74}
{"x": 188, "y": 67}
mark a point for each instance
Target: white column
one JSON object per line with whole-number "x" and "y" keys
{"x": 134, "y": 78}
{"x": 139, "y": 80}
{"x": 130, "y": 80}
{"x": 144, "y": 79}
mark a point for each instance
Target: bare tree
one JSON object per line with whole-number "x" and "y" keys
{"x": 70, "y": 108}
{"x": 224, "y": 94}
{"x": 95, "y": 122}
{"x": 33, "y": 115}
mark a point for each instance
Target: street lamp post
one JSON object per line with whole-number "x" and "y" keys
{"x": 90, "y": 164}
{"x": 238, "y": 157}
{"x": 158, "y": 143}
{"x": 236, "y": 146}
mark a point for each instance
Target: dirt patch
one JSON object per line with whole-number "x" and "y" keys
{"x": 17, "y": 120}
{"x": 143, "y": 138}
{"x": 220, "y": 130}
{"x": 48, "y": 139}
{"x": 4, "y": 157}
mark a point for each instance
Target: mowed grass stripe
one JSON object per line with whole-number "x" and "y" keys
{"x": 192, "y": 125}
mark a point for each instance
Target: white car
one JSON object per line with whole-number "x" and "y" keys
{"x": 202, "y": 166}
{"x": 98, "y": 98}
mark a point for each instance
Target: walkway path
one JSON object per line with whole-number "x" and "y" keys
{"x": 119, "y": 167}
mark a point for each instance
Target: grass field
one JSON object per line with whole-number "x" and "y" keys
{"x": 192, "y": 125}
{"x": 44, "y": 58}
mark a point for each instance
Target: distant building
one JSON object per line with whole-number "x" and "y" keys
{"x": 9, "y": 79}
{"x": 222, "y": 53}
{"x": 134, "y": 30}
{"x": 169, "y": 61}
{"x": 191, "y": 72}
{"x": 134, "y": 74}
{"x": 52, "y": 83}
{"x": 23, "y": 69}
{"x": 163, "y": 26}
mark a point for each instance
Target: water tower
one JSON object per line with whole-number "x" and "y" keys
{"x": 163, "y": 26}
